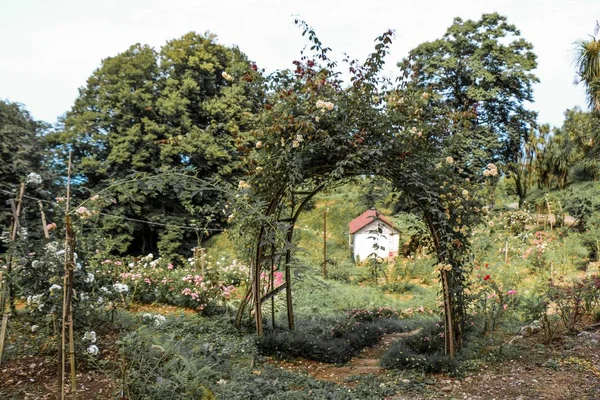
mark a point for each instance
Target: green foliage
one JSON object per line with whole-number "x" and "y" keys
{"x": 580, "y": 207}
{"x": 587, "y": 60}
{"x": 575, "y": 301}
{"x": 23, "y": 151}
{"x": 189, "y": 105}
{"x": 482, "y": 70}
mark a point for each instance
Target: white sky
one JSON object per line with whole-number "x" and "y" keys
{"x": 48, "y": 48}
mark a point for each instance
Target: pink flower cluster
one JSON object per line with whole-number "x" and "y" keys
{"x": 132, "y": 276}
{"x": 277, "y": 278}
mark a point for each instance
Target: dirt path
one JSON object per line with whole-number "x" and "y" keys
{"x": 366, "y": 363}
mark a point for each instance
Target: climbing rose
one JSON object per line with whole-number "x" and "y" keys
{"x": 485, "y": 278}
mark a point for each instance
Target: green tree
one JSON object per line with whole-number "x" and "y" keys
{"x": 22, "y": 151}
{"x": 190, "y": 105}
{"x": 569, "y": 150}
{"x": 481, "y": 71}
{"x": 587, "y": 64}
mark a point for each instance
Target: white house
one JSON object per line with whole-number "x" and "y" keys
{"x": 364, "y": 234}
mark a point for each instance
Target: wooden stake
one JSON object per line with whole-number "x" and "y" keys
{"x": 16, "y": 213}
{"x": 4, "y": 316}
{"x": 202, "y": 259}
{"x": 72, "y": 355}
{"x": 271, "y": 285}
{"x": 6, "y": 288}
{"x": 44, "y": 224}
{"x": 325, "y": 243}
{"x": 67, "y": 317}
{"x": 256, "y": 292}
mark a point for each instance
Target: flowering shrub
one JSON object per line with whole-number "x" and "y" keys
{"x": 149, "y": 279}
{"x": 489, "y": 298}
{"x": 516, "y": 221}
{"x": 39, "y": 278}
{"x": 537, "y": 251}
{"x": 574, "y": 301}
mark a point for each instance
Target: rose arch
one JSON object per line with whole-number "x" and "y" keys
{"x": 316, "y": 131}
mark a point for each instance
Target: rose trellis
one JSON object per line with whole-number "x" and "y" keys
{"x": 316, "y": 131}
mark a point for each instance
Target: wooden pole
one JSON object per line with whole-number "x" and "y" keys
{"x": 72, "y": 355}
{"x": 272, "y": 285}
{"x": 6, "y": 288}
{"x": 202, "y": 260}
{"x": 16, "y": 213}
{"x": 325, "y": 243}
{"x": 67, "y": 317}
{"x": 4, "y": 316}
{"x": 44, "y": 224}
{"x": 256, "y": 292}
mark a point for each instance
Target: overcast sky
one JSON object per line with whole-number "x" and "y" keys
{"x": 48, "y": 48}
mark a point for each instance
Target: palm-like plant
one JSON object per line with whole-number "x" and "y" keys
{"x": 587, "y": 63}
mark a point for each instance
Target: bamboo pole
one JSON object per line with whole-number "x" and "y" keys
{"x": 202, "y": 259}
{"x": 16, "y": 213}
{"x": 72, "y": 356}
{"x": 325, "y": 243}
{"x": 6, "y": 291}
{"x": 4, "y": 316}
{"x": 67, "y": 317}
{"x": 44, "y": 224}
{"x": 271, "y": 285}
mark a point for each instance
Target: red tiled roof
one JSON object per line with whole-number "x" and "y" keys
{"x": 365, "y": 219}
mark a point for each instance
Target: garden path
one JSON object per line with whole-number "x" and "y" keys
{"x": 366, "y": 363}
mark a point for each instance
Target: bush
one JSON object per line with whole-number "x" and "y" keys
{"x": 398, "y": 287}
{"x": 580, "y": 207}
{"x": 333, "y": 343}
{"x": 575, "y": 301}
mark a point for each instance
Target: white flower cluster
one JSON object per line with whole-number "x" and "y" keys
{"x": 490, "y": 170}
{"x": 243, "y": 185}
{"x": 154, "y": 319}
{"x": 83, "y": 212}
{"x": 89, "y": 278}
{"x": 33, "y": 178}
{"x": 90, "y": 336}
{"x": 324, "y": 105}
{"x": 226, "y": 76}
{"x": 299, "y": 139}
{"x": 36, "y": 300}
{"x": 93, "y": 350}
{"x": 121, "y": 288}
{"x": 54, "y": 288}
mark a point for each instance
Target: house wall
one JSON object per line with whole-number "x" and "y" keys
{"x": 363, "y": 242}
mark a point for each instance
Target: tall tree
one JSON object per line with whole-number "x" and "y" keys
{"x": 570, "y": 148}
{"x": 22, "y": 151}
{"x": 587, "y": 64}
{"x": 190, "y": 105}
{"x": 482, "y": 71}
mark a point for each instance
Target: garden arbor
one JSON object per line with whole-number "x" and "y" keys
{"x": 315, "y": 132}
